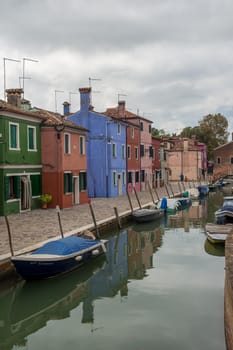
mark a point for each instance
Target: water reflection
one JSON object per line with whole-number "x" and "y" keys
{"x": 29, "y": 306}
{"x": 131, "y": 255}
{"x": 214, "y": 249}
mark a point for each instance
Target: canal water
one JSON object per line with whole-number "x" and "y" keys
{"x": 160, "y": 286}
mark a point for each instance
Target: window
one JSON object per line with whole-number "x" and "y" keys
{"x": 123, "y": 178}
{"x": 231, "y": 160}
{"x": 151, "y": 152}
{"x": 129, "y": 177}
{"x": 82, "y": 145}
{"x": 136, "y": 176}
{"x": 67, "y": 182}
{"x": 136, "y": 152}
{"x": 142, "y": 150}
{"x": 67, "y": 143}
{"x": 32, "y": 138}
{"x": 218, "y": 160}
{"x": 141, "y": 126}
{"x": 150, "y": 128}
{"x": 114, "y": 174}
{"x": 128, "y": 152}
{"x": 12, "y": 187}
{"x": 118, "y": 128}
{"x": 14, "y": 136}
{"x": 83, "y": 181}
{"x": 142, "y": 175}
{"x": 123, "y": 151}
{"x": 114, "y": 153}
{"x": 132, "y": 133}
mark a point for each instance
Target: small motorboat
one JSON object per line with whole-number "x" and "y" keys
{"x": 57, "y": 257}
{"x": 225, "y": 213}
{"x": 169, "y": 204}
{"x": 146, "y": 215}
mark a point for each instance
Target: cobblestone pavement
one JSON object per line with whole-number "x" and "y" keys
{"x": 36, "y": 226}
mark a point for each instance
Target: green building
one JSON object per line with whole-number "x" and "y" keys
{"x": 20, "y": 155}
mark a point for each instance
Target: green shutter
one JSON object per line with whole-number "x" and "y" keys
{"x": 17, "y": 186}
{"x": 13, "y": 136}
{"x": 6, "y": 188}
{"x": 70, "y": 183}
{"x": 36, "y": 184}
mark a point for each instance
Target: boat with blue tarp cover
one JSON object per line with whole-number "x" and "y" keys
{"x": 57, "y": 257}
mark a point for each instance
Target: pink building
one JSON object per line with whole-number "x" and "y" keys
{"x": 185, "y": 157}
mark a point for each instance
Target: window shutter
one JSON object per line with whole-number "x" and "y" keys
{"x": 17, "y": 186}
{"x": 6, "y": 188}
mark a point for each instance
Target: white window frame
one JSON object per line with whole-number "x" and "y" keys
{"x": 123, "y": 151}
{"x": 136, "y": 152}
{"x": 123, "y": 178}
{"x": 67, "y": 151}
{"x": 132, "y": 132}
{"x": 17, "y": 148}
{"x": 114, "y": 150}
{"x": 114, "y": 177}
{"x": 118, "y": 128}
{"x": 128, "y": 152}
{"x": 82, "y": 149}
{"x": 34, "y": 138}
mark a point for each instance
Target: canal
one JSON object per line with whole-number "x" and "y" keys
{"x": 160, "y": 286}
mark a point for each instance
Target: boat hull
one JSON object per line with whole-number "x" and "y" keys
{"x": 147, "y": 215}
{"x": 41, "y": 266}
{"x": 216, "y": 238}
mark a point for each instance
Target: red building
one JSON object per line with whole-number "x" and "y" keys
{"x": 156, "y": 162}
{"x": 64, "y": 166}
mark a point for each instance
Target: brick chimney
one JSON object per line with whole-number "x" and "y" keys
{"x": 121, "y": 109}
{"x": 66, "y": 108}
{"x": 85, "y": 99}
{"x": 14, "y": 96}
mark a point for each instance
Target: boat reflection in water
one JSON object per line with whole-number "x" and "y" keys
{"x": 28, "y": 306}
{"x": 214, "y": 249}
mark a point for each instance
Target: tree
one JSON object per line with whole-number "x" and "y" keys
{"x": 158, "y": 132}
{"x": 212, "y": 130}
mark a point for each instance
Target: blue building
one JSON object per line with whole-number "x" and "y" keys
{"x": 105, "y": 149}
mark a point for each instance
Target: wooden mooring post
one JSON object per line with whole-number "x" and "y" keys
{"x": 150, "y": 190}
{"x": 130, "y": 202}
{"x": 58, "y": 210}
{"x": 117, "y": 218}
{"x": 94, "y": 220}
{"x": 9, "y": 235}
{"x": 137, "y": 198}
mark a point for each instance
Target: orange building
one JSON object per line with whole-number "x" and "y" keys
{"x": 64, "y": 165}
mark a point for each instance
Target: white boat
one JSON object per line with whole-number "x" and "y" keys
{"x": 216, "y": 237}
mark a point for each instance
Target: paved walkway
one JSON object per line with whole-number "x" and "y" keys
{"x": 34, "y": 227}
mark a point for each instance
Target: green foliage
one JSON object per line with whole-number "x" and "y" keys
{"x": 212, "y": 130}
{"x": 46, "y": 198}
{"x": 158, "y": 132}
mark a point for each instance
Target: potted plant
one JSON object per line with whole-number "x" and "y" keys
{"x": 45, "y": 199}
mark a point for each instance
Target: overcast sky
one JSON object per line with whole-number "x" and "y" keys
{"x": 172, "y": 58}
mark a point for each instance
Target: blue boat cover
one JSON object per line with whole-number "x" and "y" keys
{"x": 65, "y": 246}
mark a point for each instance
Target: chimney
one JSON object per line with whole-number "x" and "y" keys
{"x": 85, "y": 99}
{"x": 66, "y": 108}
{"x": 14, "y": 96}
{"x": 121, "y": 109}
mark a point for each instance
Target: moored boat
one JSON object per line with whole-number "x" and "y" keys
{"x": 225, "y": 213}
{"x": 216, "y": 237}
{"x": 57, "y": 257}
{"x": 147, "y": 215}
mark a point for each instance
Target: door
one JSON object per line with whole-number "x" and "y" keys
{"x": 119, "y": 184}
{"x": 25, "y": 193}
{"x": 76, "y": 189}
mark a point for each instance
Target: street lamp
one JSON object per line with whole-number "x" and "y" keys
{"x": 4, "y": 73}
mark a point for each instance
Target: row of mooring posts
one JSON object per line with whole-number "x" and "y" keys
{"x": 58, "y": 211}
